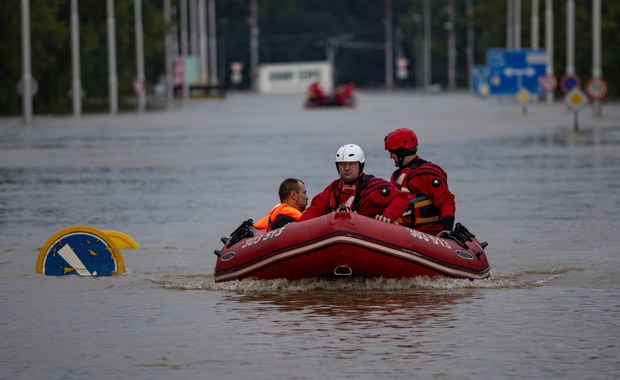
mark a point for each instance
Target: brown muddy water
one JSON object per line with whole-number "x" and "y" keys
{"x": 546, "y": 200}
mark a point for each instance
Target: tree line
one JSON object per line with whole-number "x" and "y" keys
{"x": 290, "y": 31}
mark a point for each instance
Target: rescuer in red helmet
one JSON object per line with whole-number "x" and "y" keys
{"x": 432, "y": 206}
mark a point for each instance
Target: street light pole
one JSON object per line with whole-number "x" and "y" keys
{"x": 140, "y": 86}
{"x": 535, "y": 25}
{"x": 76, "y": 85}
{"x": 184, "y": 49}
{"x": 389, "y": 48}
{"x": 470, "y": 40}
{"x": 26, "y": 76}
{"x": 113, "y": 79}
{"x": 169, "y": 41}
{"x": 597, "y": 71}
{"x": 254, "y": 43}
{"x": 212, "y": 43}
{"x": 427, "y": 44}
{"x": 517, "y": 28}
{"x": 549, "y": 43}
{"x": 570, "y": 37}
{"x": 451, "y": 47}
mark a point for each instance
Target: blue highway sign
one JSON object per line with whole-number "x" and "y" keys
{"x": 511, "y": 70}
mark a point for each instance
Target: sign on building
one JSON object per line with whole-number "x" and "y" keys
{"x": 294, "y": 77}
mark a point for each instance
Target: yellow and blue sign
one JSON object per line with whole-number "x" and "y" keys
{"x": 84, "y": 251}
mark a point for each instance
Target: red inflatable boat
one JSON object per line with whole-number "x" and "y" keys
{"x": 343, "y": 244}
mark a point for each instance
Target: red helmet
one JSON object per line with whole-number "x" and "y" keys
{"x": 403, "y": 138}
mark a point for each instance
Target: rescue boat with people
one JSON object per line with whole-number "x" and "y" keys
{"x": 344, "y": 244}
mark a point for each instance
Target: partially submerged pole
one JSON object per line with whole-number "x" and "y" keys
{"x": 26, "y": 75}
{"x": 112, "y": 77}
{"x": 76, "y": 84}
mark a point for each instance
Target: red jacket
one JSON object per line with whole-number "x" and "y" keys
{"x": 428, "y": 184}
{"x": 368, "y": 195}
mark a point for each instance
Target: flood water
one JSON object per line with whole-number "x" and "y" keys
{"x": 545, "y": 198}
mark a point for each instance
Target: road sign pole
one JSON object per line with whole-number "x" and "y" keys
{"x": 596, "y": 51}
{"x": 549, "y": 43}
{"x": 576, "y": 121}
{"x": 26, "y": 76}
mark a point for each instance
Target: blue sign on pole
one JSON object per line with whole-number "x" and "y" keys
{"x": 478, "y": 77}
{"x": 511, "y": 70}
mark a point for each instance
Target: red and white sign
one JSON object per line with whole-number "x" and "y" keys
{"x": 548, "y": 82}
{"x": 235, "y": 72}
{"x": 138, "y": 85}
{"x": 596, "y": 88}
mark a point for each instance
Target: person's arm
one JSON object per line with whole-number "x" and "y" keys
{"x": 436, "y": 189}
{"x": 397, "y": 206}
{"x": 281, "y": 221}
{"x": 386, "y": 198}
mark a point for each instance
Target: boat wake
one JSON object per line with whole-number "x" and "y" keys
{"x": 497, "y": 280}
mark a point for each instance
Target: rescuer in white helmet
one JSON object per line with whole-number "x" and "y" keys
{"x": 358, "y": 192}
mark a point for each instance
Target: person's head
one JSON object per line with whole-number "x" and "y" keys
{"x": 350, "y": 162}
{"x": 402, "y": 145}
{"x": 292, "y": 191}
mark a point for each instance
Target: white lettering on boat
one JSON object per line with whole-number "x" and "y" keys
{"x": 264, "y": 237}
{"x": 429, "y": 238}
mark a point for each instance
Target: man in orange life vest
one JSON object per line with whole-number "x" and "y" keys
{"x": 432, "y": 206}
{"x": 357, "y": 191}
{"x": 293, "y": 198}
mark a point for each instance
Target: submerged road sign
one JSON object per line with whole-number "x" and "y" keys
{"x": 511, "y": 70}
{"x": 596, "y": 88}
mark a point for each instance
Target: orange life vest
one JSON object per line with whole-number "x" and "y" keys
{"x": 267, "y": 221}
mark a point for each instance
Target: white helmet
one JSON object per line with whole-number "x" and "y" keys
{"x": 350, "y": 153}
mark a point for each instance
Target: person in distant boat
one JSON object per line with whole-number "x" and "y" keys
{"x": 344, "y": 94}
{"x": 432, "y": 207}
{"x": 357, "y": 191}
{"x": 293, "y": 198}
{"x": 315, "y": 94}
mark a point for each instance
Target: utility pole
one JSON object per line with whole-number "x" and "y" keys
{"x": 76, "y": 85}
{"x": 113, "y": 79}
{"x": 202, "y": 46}
{"x": 510, "y": 24}
{"x": 212, "y": 43}
{"x": 451, "y": 47}
{"x": 26, "y": 76}
{"x": 170, "y": 32}
{"x": 420, "y": 53}
{"x": 140, "y": 86}
{"x": 517, "y": 28}
{"x": 389, "y": 48}
{"x": 470, "y": 40}
{"x": 254, "y": 44}
{"x": 549, "y": 43}
{"x": 535, "y": 25}
{"x": 427, "y": 44}
{"x": 570, "y": 37}
{"x": 193, "y": 27}
{"x": 184, "y": 49}
{"x": 597, "y": 72}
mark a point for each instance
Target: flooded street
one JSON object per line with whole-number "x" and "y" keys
{"x": 546, "y": 200}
